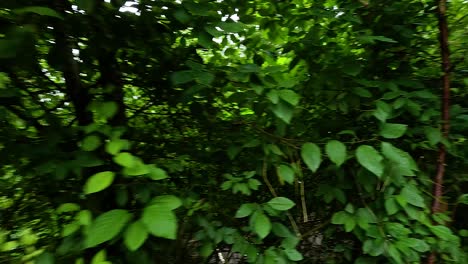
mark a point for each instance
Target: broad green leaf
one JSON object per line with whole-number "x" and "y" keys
{"x": 99, "y": 258}
{"x": 370, "y": 159}
{"x": 281, "y": 203}
{"x": 160, "y": 222}
{"x": 389, "y": 130}
{"x": 99, "y": 182}
{"x": 352, "y": 69}
{"x": 45, "y": 258}
{"x": 340, "y": 218}
{"x": 285, "y": 173}
{"x": 362, "y": 92}
{"x": 311, "y": 156}
{"x": 233, "y": 27}
{"x": 418, "y": 244}
{"x": 253, "y": 184}
{"x": 383, "y": 111}
{"x": 8, "y": 246}
{"x": 91, "y": 143}
{"x": 125, "y": 159}
{"x": 182, "y": 77}
{"x": 391, "y": 206}
{"x": 168, "y": 202}
{"x": 86, "y": 5}
{"x": 40, "y": 10}
{"x": 68, "y": 207}
{"x": 156, "y": 173}
{"x": 137, "y": 169}
{"x": 374, "y": 247}
{"x": 281, "y": 230}
{"x": 364, "y": 216}
{"x": 463, "y": 199}
{"x": 106, "y": 110}
{"x": 135, "y": 235}
{"x": 293, "y": 254}
{"x": 412, "y": 196}
{"x": 336, "y": 151}
{"x": 70, "y": 228}
{"x": 273, "y": 96}
{"x": 84, "y": 217}
{"x": 182, "y": 16}
{"x": 113, "y": 147}
{"x": 289, "y": 96}
{"x": 433, "y": 135}
{"x": 400, "y": 158}
{"x": 262, "y": 225}
{"x": 442, "y": 232}
{"x": 106, "y": 226}
{"x": 245, "y": 210}
{"x": 283, "y": 111}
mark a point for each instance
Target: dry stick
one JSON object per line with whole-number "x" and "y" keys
{"x": 273, "y": 192}
{"x": 445, "y": 54}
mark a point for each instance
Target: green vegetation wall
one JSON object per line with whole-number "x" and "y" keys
{"x": 199, "y": 131}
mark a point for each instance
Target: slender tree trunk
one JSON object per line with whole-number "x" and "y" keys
{"x": 441, "y": 162}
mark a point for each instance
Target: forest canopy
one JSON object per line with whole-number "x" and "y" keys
{"x": 229, "y": 131}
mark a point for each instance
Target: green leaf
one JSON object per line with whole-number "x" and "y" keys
{"x": 285, "y": 173}
{"x": 281, "y": 203}
{"x": 182, "y": 16}
{"x": 106, "y": 226}
{"x": 433, "y": 135}
{"x": 86, "y": 5}
{"x": 125, "y": 159}
{"x": 336, "y": 151}
{"x": 400, "y": 159}
{"x": 352, "y": 69}
{"x": 91, "y": 143}
{"x": 463, "y": 199}
{"x": 99, "y": 182}
{"x": 40, "y": 10}
{"x": 232, "y": 27}
{"x": 245, "y": 210}
{"x": 273, "y": 96}
{"x": 262, "y": 225}
{"x": 289, "y": 96}
{"x": 283, "y": 111}
{"x": 281, "y": 230}
{"x": 370, "y": 159}
{"x": 253, "y": 184}
{"x": 311, "y": 155}
{"x": 389, "y": 130}
{"x": 418, "y": 245}
{"x": 160, "y": 222}
{"x": 362, "y": 92}
{"x": 135, "y": 235}
{"x": 70, "y": 228}
{"x": 67, "y": 207}
{"x": 84, "y": 217}
{"x": 115, "y": 146}
{"x": 364, "y": 216}
{"x": 412, "y": 196}
{"x": 340, "y": 218}
{"x": 293, "y": 254}
{"x": 182, "y": 77}
{"x": 106, "y": 110}
{"x": 383, "y": 111}
{"x": 99, "y": 258}
{"x": 45, "y": 258}
{"x": 391, "y": 206}
{"x": 157, "y": 173}
{"x": 168, "y": 202}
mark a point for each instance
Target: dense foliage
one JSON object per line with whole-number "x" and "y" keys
{"x": 195, "y": 131}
